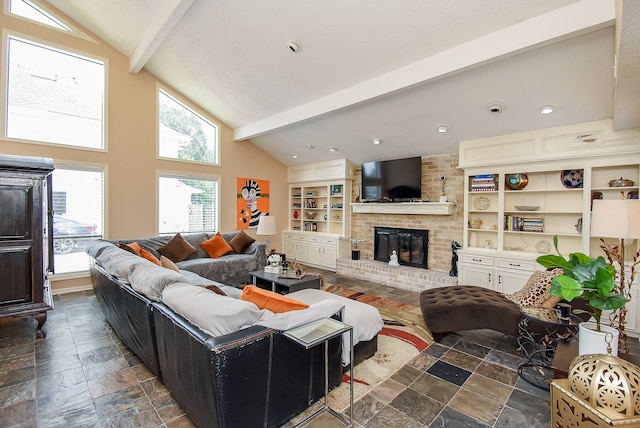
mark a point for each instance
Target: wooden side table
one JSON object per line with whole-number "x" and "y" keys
{"x": 566, "y": 351}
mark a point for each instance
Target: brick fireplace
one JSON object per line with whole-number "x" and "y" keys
{"x": 411, "y": 245}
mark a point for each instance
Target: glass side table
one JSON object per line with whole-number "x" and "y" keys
{"x": 313, "y": 334}
{"x": 539, "y": 332}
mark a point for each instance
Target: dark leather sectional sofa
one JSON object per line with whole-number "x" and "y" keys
{"x": 254, "y": 377}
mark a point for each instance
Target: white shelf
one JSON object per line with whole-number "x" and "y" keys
{"x": 424, "y": 208}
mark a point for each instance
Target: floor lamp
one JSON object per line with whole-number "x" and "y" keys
{"x": 266, "y": 227}
{"x": 618, "y": 218}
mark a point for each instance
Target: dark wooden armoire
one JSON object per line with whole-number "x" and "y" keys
{"x": 26, "y": 244}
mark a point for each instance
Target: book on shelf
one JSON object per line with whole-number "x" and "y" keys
{"x": 523, "y": 224}
{"x": 484, "y": 183}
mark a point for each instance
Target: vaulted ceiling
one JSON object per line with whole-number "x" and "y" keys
{"x": 387, "y": 69}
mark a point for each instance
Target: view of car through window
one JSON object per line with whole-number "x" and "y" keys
{"x": 71, "y": 235}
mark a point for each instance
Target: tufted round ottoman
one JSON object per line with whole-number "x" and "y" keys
{"x": 468, "y": 307}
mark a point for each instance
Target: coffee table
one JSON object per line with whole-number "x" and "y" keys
{"x": 283, "y": 285}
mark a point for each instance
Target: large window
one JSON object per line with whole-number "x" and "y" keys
{"x": 54, "y": 96}
{"x": 187, "y": 203}
{"x": 77, "y": 214}
{"x": 184, "y": 134}
{"x": 30, "y": 10}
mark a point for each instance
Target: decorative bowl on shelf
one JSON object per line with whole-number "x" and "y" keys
{"x": 527, "y": 207}
{"x": 516, "y": 181}
{"x": 310, "y": 215}
{"x": 621, "y": 182}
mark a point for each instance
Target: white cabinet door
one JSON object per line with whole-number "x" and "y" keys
{"x": 314, "y": 254}
{"x": 476, "y": 275}
{"x": 296, "y": 250}
{"x": 511, "y": 281}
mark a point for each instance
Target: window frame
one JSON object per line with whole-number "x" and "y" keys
{"x": 88, "y": 167}
{"x": 180, "y": 175}
{"x": 45, "y": 9}
{"x": 194, "y": 109}
{"x": 4, "y": 89}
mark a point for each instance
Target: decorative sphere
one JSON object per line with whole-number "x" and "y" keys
{"x": 608, "y": 383}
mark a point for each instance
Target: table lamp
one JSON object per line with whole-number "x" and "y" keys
{"x": 266, "y": 227}
{"x": 617, "y": 218}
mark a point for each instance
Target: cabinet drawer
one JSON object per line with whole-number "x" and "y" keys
{"x": 475, "y": 259}
{"x": 330, "y": 241}
{"x": 314, "y": 239}
{"x": 527, "y": 265}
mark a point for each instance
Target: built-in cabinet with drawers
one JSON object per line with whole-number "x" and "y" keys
{"x": 319, "y": 223}
{"x": 521, "y": 190}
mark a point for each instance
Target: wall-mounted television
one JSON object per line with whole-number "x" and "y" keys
{"x": 394, "y": 180}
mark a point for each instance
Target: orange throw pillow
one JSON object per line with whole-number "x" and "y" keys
{"x": 216, "y": 246}
{"x": 147, "y": 255}
{"x": 134, "y": 247}
{"x": 266, "y": 299}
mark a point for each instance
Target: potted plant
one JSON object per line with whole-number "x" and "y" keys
{"x": 589, "y": 279}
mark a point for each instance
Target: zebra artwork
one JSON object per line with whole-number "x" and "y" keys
{"x": 250, "y": 193}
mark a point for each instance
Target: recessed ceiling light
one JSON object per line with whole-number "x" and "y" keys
{"x": 293, "y": 46}
{"x": 442, "y": 128}
{"x": 333, "y": 149}
{"x": 294, "y": 156}
{"x": 546, "y": 109}
{"x": 377, "y": 141}
{"x": 495, "y": 107}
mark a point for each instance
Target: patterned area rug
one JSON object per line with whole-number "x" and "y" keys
{"x": 402, "y": 338}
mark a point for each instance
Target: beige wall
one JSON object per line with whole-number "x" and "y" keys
{"x": 131, "y": 149}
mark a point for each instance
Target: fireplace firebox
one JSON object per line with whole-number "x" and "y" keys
{"x": 411, "y": 245}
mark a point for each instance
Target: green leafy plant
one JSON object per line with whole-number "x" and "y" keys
{"x": 585, "y": 278}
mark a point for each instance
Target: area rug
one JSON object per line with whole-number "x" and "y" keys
{"x": 402, "y": 338}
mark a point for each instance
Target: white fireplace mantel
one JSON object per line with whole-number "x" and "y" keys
{"x": 422, "y": 208}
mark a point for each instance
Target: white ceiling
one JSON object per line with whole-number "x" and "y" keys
{"x": 389, "y": 69}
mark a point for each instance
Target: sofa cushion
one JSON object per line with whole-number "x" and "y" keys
{"x": 149, "y": 280}
{"x": 536, "y": 291}
{"x": 177, "y": 249}
{"x": 274, "y": 302}
{"x": 216, "y": 246}
{"x": 195, "y": 279}
{"x": 232, "y": 269}
{"x": 165, "y": 262}
{"x": 212, "y": 313}
{"x": 241, "y": 242}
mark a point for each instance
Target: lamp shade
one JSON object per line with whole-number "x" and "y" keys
{"x": 618, "y": 218}
{"x": 266, "y": 225}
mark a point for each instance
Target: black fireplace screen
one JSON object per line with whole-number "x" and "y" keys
{"x": 411, "y": 245}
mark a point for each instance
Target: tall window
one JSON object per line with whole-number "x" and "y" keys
{"x": 30, "y": 10}
{"x": 54, "y": 96}
{"x": 184, "y": 134}
{"x": 77, "y": 214}
{"x": 187, "y": 203}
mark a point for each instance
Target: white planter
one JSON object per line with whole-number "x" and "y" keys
{"x": 591, "y": 341}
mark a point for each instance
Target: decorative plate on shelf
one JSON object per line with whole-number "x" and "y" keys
{"x": 543, "y": 246}
{"x": 481, "y": 203}
{"x": 516, "y": 181}
{"x": 527, "y": 207}
{"x": 572, "y": 178}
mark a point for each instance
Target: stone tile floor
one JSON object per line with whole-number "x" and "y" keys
{"x": 81, "y": 375}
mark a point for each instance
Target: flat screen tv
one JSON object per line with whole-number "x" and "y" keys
{"x": 392, "y": 180}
